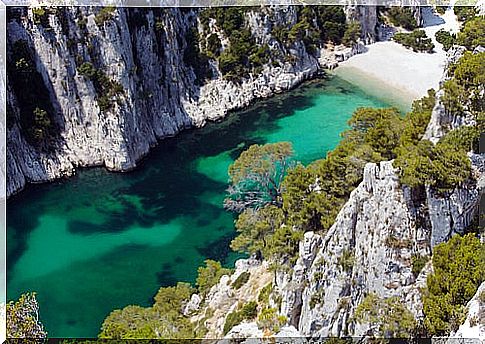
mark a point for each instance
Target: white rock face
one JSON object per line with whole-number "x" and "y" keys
{"x": 223, "y": 298}
{"x": 370, "y": 246}
{"x": 377, "y": 233}
{"x": 143, "y": 50}
{"x": 473, "y": 329}
{"x": 441, "y": 120}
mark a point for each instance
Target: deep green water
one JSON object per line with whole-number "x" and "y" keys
{"x": 102, "y": 240}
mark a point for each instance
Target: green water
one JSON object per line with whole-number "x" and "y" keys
{"x": 102, "y": 240}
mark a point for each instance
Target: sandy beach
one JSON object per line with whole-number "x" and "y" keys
{"x": 399, "y": 74}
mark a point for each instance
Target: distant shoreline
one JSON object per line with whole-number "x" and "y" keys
{"x": 390, "y": 71}
{"x": 375, "y": 87}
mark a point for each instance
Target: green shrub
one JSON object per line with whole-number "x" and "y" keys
{"x": 445, "y": 38}
{"x": 464, "y": 13}
{"x": 41, "y": 16}
{"x": 210, "y": 275}
{"x": 441, "y": 9}
{"x": 352, "y": 34}
{"x": 163, "y": 320}
{"x": 104, "y": 14}
{"x": 443, "y": 166}
{"x": 416, "y": 40}
{"x": 473, "y": 33}
{"x": 250, "y": 310}
{"x": 418, "y": 263}
{"x": 241, "y": 280}
{"x": 247, "y": 312}
{"x": 36, "y": 119}
{"x": 403, "y": 17}
{"x": 454, "y": 97}
{"x": 390, "y": 317}
{"x": 458, "y": 270}
{"x": 264, "y": 294}
{"x": 214, "y": 45}
{"x": 232, "y": 319}
{"x": 347, "y": 260}
{"x": 195, "y": 58}
{"x": 22, "y": 319}
{"x": 107, "y": 90}
{"x": 394, "y": 242}
{"x": 269, "y": 319}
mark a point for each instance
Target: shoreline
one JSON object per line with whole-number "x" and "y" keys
{"x": 374, "y": 86}
{"x": 389, "y": 70}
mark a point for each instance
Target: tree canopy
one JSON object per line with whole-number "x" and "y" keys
{"x": 389, "y": 317}
{"x": 256, "y": 176}
{"x": 164, "y": 319}
{"x": 22, "y": 318}
{"x": 458, "y": 271}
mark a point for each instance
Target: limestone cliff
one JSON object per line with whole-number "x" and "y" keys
{"x": 153, "y": 90}
{"x": 371, "y": 245}
{"x": 371, "y": 248}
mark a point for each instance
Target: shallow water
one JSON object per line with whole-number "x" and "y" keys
{"x": 102, "y": 240}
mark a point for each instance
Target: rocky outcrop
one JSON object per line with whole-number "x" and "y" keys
{"x": 441, "y": 120}
{"x": 473, "y": 328}
{"x": 367, "y": 17}
{"x": 453, "y": 213}
{"x": 144, "y": 52}
{"x": 224, "y": 298}
{"x": 372, "y": 244}
{"x": 369, "y": 249}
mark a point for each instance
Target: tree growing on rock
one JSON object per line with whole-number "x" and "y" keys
{"x": 389, "y": 318}
{"x": 22, "y": 318}
{"x": 458, "y": 270}
{"x": 256, "y": 176}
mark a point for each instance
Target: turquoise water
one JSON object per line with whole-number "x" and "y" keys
{"x": 102, "y": 240}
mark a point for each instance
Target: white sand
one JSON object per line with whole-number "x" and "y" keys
{"x": 389, "y": 70}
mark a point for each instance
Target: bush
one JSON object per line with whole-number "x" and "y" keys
{"x": 418, "y": 263}
{"x": 232, "y": 319}
{"x": 347, "y": 260}
{"x": 104, "y": 14}
{"x": 241, "y": 280}
{"x": 264, "y": 294}
{"x": 458, "y": 271}
{"x": 390, "y": 317}
{"x": 195, "y": 58}
{"x": 107, "y": 89}
{"x": 443, "y": 166}
{"x": 445, "y": 38}
{"x": 250, "y": 310}
{"x": 270, "y": 320}
{"x": 454, "y": 97}
{"x": 210, "y": 275}
{"x": 36, "y": 118}
{"x": 473, "y": 33}
{"x": 416, "y": 40}
{"x": 441, "y": 9}
{"x": 352, "y": 34}
{"x": 164, "y": 320}
{"x": 464, "y": 13}
{"x": 41, "y": 16}
{"x": 214, "y": 45}
{"x": 22, "y": 319}
{"x": 247, "y": 312}
{"x": 331, "y": 23}
{"x": 403, "y": 17}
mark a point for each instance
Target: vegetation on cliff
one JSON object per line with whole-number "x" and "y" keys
{"x": 164, "y": 319}
{"x": 389, "y": 318}
{"x": 416, "y": 40}
{"x": 22, "y": 318}
{"x": 35, "y": 107}
{"x": 458, "y": 271}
